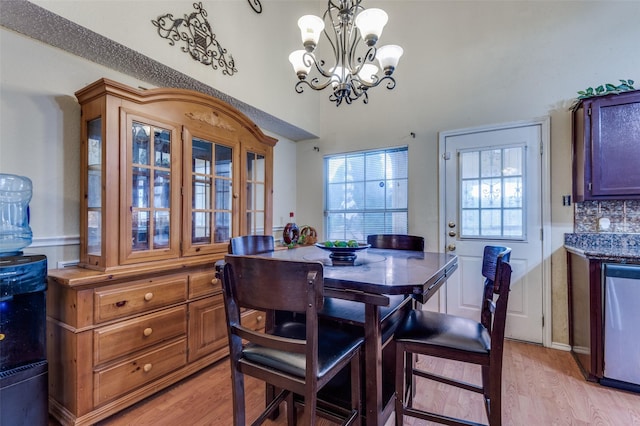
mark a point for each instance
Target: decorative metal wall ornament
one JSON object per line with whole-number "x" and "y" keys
{"x": 352, "y": 31}
{"x": 256, "y": 5}
{"x": 200, "y": 41}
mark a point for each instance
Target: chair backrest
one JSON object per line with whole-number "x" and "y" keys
{"x": 292, "y": 286}
{"x": 251, "y": 244}
{"x": 396, "y": 241}
{"x": 497, "y": 271}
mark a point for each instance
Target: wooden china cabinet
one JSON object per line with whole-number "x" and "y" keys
{"x": 168, "y": 176}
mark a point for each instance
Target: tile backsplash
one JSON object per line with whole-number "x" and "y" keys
{"x": 614, "y": 216}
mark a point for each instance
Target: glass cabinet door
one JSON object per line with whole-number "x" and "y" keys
{"x": 255, "y": 207}
{"x": 153, "y": 209}
{"x": 208, "y": 181}
{"x": 94, "y": 188}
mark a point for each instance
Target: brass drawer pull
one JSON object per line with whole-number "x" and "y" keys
{"x": 148, "y": 296}
{"x": 147, "y": 368}
{"x": 147, "y": 331}
{"x": 259, "y": 318}
{"x": 215, "y": 281}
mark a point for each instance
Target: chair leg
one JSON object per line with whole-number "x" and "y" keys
{"x": 486, "y": 380}
{"x": 356, "y": 394}
{"x": 495, "y": 401}
{"x": 410, "y": 390}
{"x": 291, "y": 410}
{"x": 237, "y": 391}
{"x": 310, "y": 405}
{"x": 401, "y": 380}
{"x": 270, "y": 392}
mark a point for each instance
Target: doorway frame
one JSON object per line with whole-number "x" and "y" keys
{"x": 545, "y": 202}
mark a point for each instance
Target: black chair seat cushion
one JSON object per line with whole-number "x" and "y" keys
{"x": 353, "y": 313}
{"x": 333, "y": 344}
{"x": 434, "y": 328}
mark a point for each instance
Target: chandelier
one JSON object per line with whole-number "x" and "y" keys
{"x": 353, "y": 32}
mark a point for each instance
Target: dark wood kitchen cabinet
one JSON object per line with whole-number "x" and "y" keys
{"x": 585, "y": 314}
{"x": 606, "y": 147}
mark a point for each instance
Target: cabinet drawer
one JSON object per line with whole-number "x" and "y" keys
{"x": 253, "y": 319}
{"x": 128, "y": 299}
{"x": 121, "y": 378}
{"x": 203, "y": 283}
{"x": 129, "y": 336}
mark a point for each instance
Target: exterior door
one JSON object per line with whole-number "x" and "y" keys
{"x": 492, "y": 196}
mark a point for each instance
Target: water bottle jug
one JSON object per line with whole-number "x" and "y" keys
{"x": 15, "y": 232}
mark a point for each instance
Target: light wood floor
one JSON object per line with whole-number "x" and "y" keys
{"x": 540, "y": 387}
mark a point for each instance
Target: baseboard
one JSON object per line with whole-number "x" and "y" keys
{"x": 560, "y": 346}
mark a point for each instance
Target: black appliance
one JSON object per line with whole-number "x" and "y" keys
{"x": 23, "y": 350}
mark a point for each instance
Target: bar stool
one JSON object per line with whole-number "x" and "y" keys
{"x": 460, "y": 339}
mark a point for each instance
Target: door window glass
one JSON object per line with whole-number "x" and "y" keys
{"x": 491, "y": 193}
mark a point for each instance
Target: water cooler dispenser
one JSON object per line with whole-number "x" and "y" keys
{"x": 23, "y": 282}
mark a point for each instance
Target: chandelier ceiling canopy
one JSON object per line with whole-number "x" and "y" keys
{"x": 357, "y": 64}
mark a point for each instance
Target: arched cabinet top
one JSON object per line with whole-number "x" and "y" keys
{"x": 182, "y": 106}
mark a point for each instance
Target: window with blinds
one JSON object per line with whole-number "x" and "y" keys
{"x": 366, "y": 193}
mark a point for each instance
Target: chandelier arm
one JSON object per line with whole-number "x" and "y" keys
{"x": 314, "y": 84}
{"x": 355, "y": 64}
{"x": 333, "y": 41}
{"x": 349, "y": 58}
{"x": 391, "y": 83}
{"x": 310, "y": 61}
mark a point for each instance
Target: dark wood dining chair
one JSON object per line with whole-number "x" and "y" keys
{"x": 251, "y": 244}
{"x": 460, "y": 339}
{"x": 396, "y": 241}
{"x": 257, "y": 244}
{"x": 296, "y": 358}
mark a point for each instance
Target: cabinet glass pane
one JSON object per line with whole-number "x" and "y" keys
{"x": 140, "y": 230}
{"x": 94, "y": 232}
{"x": 259, "y": 198}
{"x": 201, "y": 231}
{"x": 140, "y": 146}
{"x": 162, "y": 148}
{"x": 140, "y": 188}
{"x": 161, "y": 229}
{"x": 94, "y": 134}
{"x": 223, "y": 161}
{"x": 223, "y": 227}
{"x": 161, "y": 189}
{"x": 259, "y": 223}
{"x": 223, "y": 194}
{"x": 94, "y": 187}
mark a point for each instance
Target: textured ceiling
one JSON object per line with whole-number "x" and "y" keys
{"x": 47, "y": 27}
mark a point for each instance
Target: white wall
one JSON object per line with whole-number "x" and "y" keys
{"x": 475, "y": 63}
{"x": 253, "y": 40}
{"x": 466, "y": 63}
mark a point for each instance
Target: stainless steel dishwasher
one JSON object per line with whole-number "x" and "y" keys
{"x": 621, "y": 326}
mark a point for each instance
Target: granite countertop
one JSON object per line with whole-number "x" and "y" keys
{"x": 605, "y": 246}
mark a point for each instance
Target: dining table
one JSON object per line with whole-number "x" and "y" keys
{"x": 382, "y": 281}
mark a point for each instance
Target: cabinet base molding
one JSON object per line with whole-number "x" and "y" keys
{"x": 66, "y": 418}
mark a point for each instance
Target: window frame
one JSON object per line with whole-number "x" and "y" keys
{"x": 392, "y": 219}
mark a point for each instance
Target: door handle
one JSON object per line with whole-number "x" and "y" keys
{"x": 452, "y": 233}
{"x": 451, "y": 247}
{"x": 452, "y": 224}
